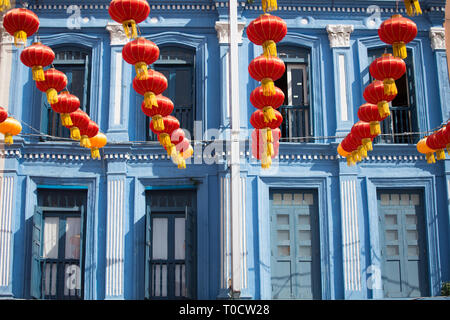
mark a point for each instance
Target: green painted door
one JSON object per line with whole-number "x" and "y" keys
{"x": 404, "y": 271}
{"x": 295, "y": 252}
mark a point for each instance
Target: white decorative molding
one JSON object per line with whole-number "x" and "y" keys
{"x": 350, "y": 236}
{"x": 117, "y": 34}
{"x": 6, "y": 200}
{"x": 339, "y": 35}
{"x": 343, "y": 87}
{"x": 115, "y": 238}
{"x": 437, "y": 37}
{"x": 225, "y": 241}
{"x": 223, "y": 31}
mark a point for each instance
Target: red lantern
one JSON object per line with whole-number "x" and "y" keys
{"x": 129, "y": 13}
{"x": 183, "y": 150}
{"x": 267, "y": 103}
{"x": 170, "y": 125}
{"x": 21, "y": 23}
{"x": 397, "y": 32}
{"x": 80, "y": 119}
{"x": 446, "y": 134}
{"x": 267, "y": 70}
{"x": 350, "y": 145}
{"x": 67, "y": 103}
{"x": 437, "y": 141}
{"x": 55, "y": 81}
{"x": 374, "y": 93}
{"x": 257, "y": 121}
{"x": 164, "y": 108}
{"x": 266, "y": 31}
{"x": 422, "y": 147}
{"x": 388, "y": 69}
{"x": 412, "y": 7}
{"x": 97, "y": 142}
{"x": 361, "y": 132}
{"x": 369, "y": 113}
{"x": 175, "y": 137}
{"x": 89, "y": 131}
{"x": 150, "y": 86}
{"x": 140, "y": 53}
{"x": 36, "y": 57}
{"x": 3, "y": 114}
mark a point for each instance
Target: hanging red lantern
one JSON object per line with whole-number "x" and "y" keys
{"x": 3, "y": 114}
{"x": 97, "y": 142}
{"x": 350, "y": 145}
{"x": 398, "y": 31}
{"x": 369, "y": 113}
{"x": 266, "y": 31}
{"x": 55, "y": 81}
{"x": 388, "y": 69}
{"x": 129, "y": 13}
{"x": 67, "y": 103}
{"x": 170, "y": 124}
{"x": 267, "y": 103}
{"x": 183, "y": 151}
{"x": 140, "y": 53}
{"x": 258, "y": 147}
{"x": 86, "y": 132}
{"x": 374, "y": 94}
{"x": 150, "y": 86}
{"x": 163, "y": 109}
{"x": 176, "y": 137}
{"x": 423, "y": 148}
{"x": 5, "y": 5}
{"x": 79, "y": 119}
{"x": 437, "y": 141}
{"x": 412, "y": 7}
{"x": 269, "y": 5}
{"x": 446, "y": 135}
{"x": 21, "y": 23}
{"x": 10, "y": 127}
{"x": 37, "y": 56}
{"x": 267, "y": 70}
{"x": 361, "y": 131}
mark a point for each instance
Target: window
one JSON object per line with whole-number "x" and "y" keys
{"x": 177, "y": 65}
{"x": 170, "y": 257}
{"x": 295, "y": 84}
{"x": 403, "y": 116}
{"x": 57, "y": 245}
{"x": 75, "y": 63}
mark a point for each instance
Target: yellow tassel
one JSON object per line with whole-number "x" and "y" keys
{"x": 171, "y": 150}
{"x": 269, "y": 150}
{"x": 84, "y": 142}
{"x": 269, "y": 135}
{"x": 8, "y": 138}
{"x": 164, "y": 139}
{"x": 38, "y": 73}
{"x": 375, "y": 128}
{"x": 268, "y": 87}
{"x": 362, "y": 152}
{"x": 20, "y": 38}
{"x": 182, "y": 164}
{"x": 269, "y": 49}
{"x": 52, "y": 96}
{"x": 266, "y": 162}
{"x": 141, "y": 70}
{"x": 129, "y": 26}
{"x": 95, "y": 153}
{"x": 440, "y": 154}
{"x": 383, "y": 109}
{"x": 350, "y": 160}
{"x": 75, "y": 133}
{"x": 356, "y": 156}
{"x": 66, "y": 120}
{"x": 158, "y": 123}
{"x": 150, "y": 100}
{"x": 367, "y": 143}
{"x": 4, "y": 5}
{"x": 269, "y": 114}
{"x": 412, "y": 7}
{"x": 448, "y": 148}
{"x": 389, "y": 87}
{"x": 269, "y": 5}
{"x": 399, "y": 49}
{"x": 430, "y": 157}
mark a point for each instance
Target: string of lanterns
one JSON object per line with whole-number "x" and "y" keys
{"x": 397, "y": 32}
{"x": 149, "y": 83}
{"x": 22, "y": 23}
{"x": 266, "y": 31}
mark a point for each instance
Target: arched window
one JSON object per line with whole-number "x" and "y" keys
{"x": 403, "y": 118}
{"x": 296, "y": 85}
{"x": 177, "y": 64}
{"x": 75, "y": 63}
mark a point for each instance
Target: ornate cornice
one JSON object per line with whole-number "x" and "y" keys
{"x": 339, "y": 35}
{"x": 223, "y": 31}
{"x": 437, "y": 37}
{"x": 117, "y": 34}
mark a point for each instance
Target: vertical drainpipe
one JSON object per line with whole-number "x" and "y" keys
{"x": 235, "y": 282}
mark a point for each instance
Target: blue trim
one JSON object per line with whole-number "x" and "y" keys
{"x": 180, "y": 187}
{"x": 48, "y": 186}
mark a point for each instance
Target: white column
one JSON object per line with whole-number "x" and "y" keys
{"x": 6, "y": 200}
{"x": 6, "y": 52}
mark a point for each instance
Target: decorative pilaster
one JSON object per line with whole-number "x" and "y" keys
{"x": 339, "y": 36}
{"x": 6, "y": 233}
{"x": 437, "y": 39}
{"x": 119, "y": 85}
{"x": 6, "y": 53}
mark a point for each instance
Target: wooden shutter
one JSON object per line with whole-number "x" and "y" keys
{"x": 148, "y": 252}
{"x": 35, "y": 288}
{"x": 191, "y": 254}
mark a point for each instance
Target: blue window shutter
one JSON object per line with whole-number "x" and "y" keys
{"x": 35, "y": 288}
{"x": 191, "y": 256}
{"x": 148, "y": 253}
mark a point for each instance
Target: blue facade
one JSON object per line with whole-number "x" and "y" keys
{"x": 132, "y": 170}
